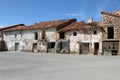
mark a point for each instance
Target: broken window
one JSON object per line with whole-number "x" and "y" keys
{"x": 62, "y": 35}
{"x": 43, "y": 35}
{"x": 36, "y": 36}
{"x": 110, "y": 33}
{"x": 95, "y": 32}
{"x": 74, "y": 33}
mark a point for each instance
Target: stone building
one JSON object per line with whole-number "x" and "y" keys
{"x": 85, "y": 38}
{"x": 3, "y": 44}
{"x": 111, "y": 37}
{"x": 38, "y": 37}
{"x": 8, "y": 36}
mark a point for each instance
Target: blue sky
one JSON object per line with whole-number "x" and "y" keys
{"x": 33, "y": 11}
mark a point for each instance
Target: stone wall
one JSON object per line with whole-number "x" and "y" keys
{"x": 26, "y": 39}
{"x": 111, "y": 21}
{"x": 84, "y": 37}
{"x": 50, "y": 36}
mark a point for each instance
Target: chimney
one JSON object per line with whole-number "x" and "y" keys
{"x": 90, "y": 20}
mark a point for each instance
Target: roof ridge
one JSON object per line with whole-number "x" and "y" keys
{"x": 110, "y": 13}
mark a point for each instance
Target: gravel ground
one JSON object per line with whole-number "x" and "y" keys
{"x": 39, "y": 66}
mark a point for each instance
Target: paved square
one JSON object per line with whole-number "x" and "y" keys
{"x": 36, "y": 66}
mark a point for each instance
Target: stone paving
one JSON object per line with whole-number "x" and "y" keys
{"x": 39, "y": 66}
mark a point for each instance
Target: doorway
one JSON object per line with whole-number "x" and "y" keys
{"x": 84, "y": 48}
{"x": 96, "y": 48}
{"x": 50, "y": 46}
{"x": 34, "y": 47}
{"x": 17, "y": 46}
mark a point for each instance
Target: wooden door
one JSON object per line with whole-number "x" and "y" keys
{"x": 84, "y": 48}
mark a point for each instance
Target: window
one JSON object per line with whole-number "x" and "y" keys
{"x": 15, "y": 35}
{"x": 94, "y": 32}
{"x": 43, "y": 35}
{"x": 36, "y": 36}
{"x": 62, "y": 35}
{"x": 110, "y": 33}
{"x": 74, "y": 33}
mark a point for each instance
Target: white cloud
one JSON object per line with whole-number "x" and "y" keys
{"x": 1, "y": 26}
{"x": 72, "y": 14}
{"x": 81, "y": 15}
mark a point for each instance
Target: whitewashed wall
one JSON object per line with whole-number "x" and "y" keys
{"x": 27, "y": 38}
{"x": 24, "y": 38}
{"x": 83, "y": 38}
{"x": 50, "y": 36}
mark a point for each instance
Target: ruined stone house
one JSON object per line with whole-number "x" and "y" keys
{"x": 85, "y": 38}
{"x": 38, "y": 37}
{"x": 8, "y": 37}
{"x": 111, "y": 37}
{"x": 3, "y": 44}
{"x": 65, "y": 36}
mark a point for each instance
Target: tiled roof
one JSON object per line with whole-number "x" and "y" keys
{"x": 43, "y": 25}
{"x": 109, "y": 13}
{"x": 11, "y": 27}
{"x": 82, "y": 26}
{"x": 14, "y": 27}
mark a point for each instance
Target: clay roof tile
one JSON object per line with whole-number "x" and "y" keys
{"x": 82, "y": 26}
